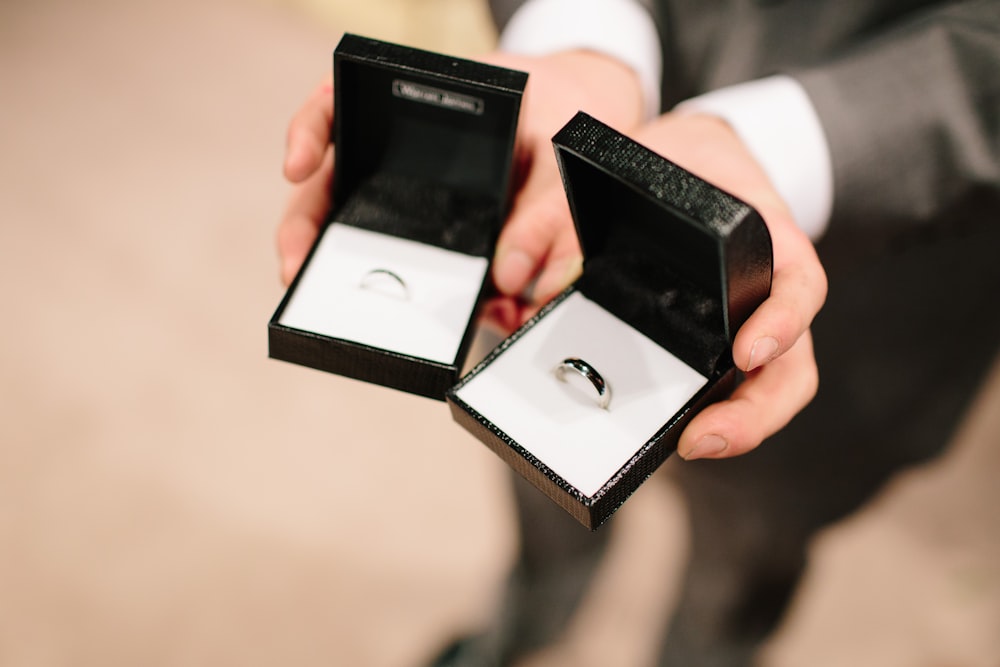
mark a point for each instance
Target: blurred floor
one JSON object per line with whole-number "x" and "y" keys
{"x": 168, "y": 496}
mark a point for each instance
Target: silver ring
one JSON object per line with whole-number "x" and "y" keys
{"x": 385, "y": 282}
{"x": 585, "y": 370}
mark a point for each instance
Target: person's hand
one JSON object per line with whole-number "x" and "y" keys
{"x": 308, "y": 166}
{"x": 774, "y": 346}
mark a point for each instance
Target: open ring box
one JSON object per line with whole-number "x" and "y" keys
{"x": 672, "y": 267}
{"x": 424, "y": 146}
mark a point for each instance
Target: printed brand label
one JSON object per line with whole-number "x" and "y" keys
{"x": 438, "y": 97}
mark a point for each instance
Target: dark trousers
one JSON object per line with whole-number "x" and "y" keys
{"x": 910, "y": 327}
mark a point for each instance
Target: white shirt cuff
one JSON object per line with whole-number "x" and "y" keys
{"x": 776, "y": 120}
{"x": 622, "y": 29}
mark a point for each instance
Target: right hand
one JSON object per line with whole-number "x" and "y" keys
{"x": 308, "y": 166}
{"x": 537, "y": 247}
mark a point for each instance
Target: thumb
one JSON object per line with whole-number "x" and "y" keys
{"x": 537, "y": 251}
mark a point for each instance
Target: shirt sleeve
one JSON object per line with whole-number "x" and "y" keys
{"x": 622, "y": 29}
{"x": 777, "y": 122}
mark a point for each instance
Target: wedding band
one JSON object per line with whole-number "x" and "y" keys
{"x": 585, "y": 370}
{"x": 386, "y": 282}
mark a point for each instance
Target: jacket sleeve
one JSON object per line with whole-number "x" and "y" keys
{"x": 502, "y": 10}
{"x": 912, "y": 118}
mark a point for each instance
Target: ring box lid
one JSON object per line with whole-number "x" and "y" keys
{"x": 424, "y": 144}
{"x": 672, "y": 267}
{"x": 678, "y": 259}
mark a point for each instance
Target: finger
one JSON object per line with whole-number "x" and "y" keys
{"x": 503, "y": 315}
{"x": 798, "y": 291}
{"x": 304, "y": 215}
{"x": 309, "y": 134}
{"x": 759, "y": 407}
{"x": 539, "y": 223}
{"x": 562, "y": 266}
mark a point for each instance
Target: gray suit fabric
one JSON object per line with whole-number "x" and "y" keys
{"x": 908, "y": 93}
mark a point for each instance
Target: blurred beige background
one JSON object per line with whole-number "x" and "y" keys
{"x": 169, "y": 496}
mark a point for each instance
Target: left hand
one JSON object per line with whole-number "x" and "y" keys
{"x": 774, "y": 346}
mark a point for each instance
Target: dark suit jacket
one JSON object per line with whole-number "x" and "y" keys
{"x": 908, "y": 91}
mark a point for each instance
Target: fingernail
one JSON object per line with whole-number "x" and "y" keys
{"x": 295, "y": 155}
{"x": 512, "y": 270}
{"x": 709, "y": 445}
{"x": 764, "y": 350}
{"x": 547, "y": 286}
{"x": 574, "y": 269}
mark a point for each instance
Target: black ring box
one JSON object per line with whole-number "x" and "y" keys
{"x": 424, "y": 145}
{"x": 673, "y": 266}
